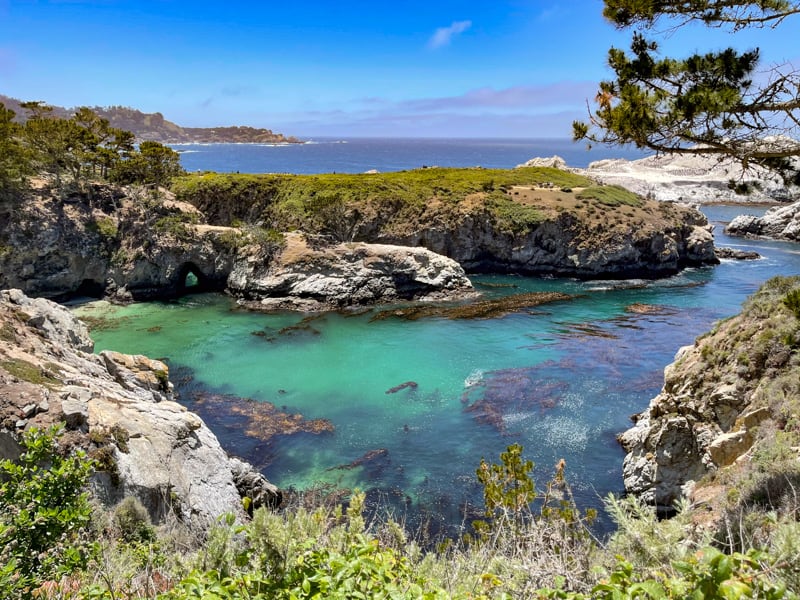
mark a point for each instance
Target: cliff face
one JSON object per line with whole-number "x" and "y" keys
{"x": 129, "y": 246}
{"x": 508, "y": 221}
{"x": 120, "y": 409}
{"x": 727, "y": 400}
{"x": 113, "y": 241}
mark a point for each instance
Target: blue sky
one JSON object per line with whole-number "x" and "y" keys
{"x": 483, "y": 68}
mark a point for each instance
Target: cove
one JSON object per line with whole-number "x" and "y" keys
{"x": 405, "y": 409}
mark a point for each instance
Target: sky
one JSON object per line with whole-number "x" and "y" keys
{"x": 407, "y": 68}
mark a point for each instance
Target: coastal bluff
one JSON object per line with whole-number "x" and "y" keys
{"x": 404, "y": 236}
{"x": 725, "y": 423}
{"x": 120, "y": 409}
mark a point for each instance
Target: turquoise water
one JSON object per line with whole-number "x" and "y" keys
{"x": 562, "y": 379}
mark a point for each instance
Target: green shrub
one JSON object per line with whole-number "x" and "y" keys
{"x": 44, "y": 514}
{"x": 133, "y": 521}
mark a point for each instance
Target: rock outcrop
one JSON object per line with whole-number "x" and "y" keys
{"x": 106, "y": 242}
{"x": 696, "y": 179}
{"x": 653, "y": 240}
{"x": 780, "y": 223}
{"x": 121, "y": 410}
{"x": 312, "y": 272}
{"x": 723, "y": 396}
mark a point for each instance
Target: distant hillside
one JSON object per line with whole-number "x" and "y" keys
{"x": 153, "y": 126}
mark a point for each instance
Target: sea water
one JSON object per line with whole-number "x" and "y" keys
{"x": 357, "y": 155}
{"x": 561, "y": 379}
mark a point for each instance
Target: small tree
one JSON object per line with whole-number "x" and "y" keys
{"x": 13, "y": 161}
{"x": 710, "y": 103}
{"x": 153, "y": 163}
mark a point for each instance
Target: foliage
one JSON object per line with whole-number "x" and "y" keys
{"x": 14, "y": 165}
{"x": 707, "y": 99}
{"x": 44, "y": 513}
{"x": 338, "y": 204}
{"x": 610, "y": 195}
{"x": 153, "y": 163}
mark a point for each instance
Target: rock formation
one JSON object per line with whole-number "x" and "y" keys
{"x": 780, "y": 223}
{"x": 696, "y": 179}
{"x": 311, "y": 272}
{"x": 723, "y": 396}
{"x": 120, "y": 409}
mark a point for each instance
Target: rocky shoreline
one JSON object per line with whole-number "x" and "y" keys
{"x": 120, "y": 409}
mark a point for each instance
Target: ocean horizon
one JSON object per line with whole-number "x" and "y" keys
{"x": 362, "y": 154}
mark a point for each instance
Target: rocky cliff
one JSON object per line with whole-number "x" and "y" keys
{"x": 728, "y": 410}
{"x": 697, "y": 178}
{"x": 533, "y": 221}
{"x": 120, "y": 409}
{"x": 127, "y": 245}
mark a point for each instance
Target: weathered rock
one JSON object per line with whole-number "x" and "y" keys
{"x": 118, "y": 407}
{"x": 717, "y": 397}
{"x": 736, "y": 254}
{"x": 695, "y": 178}
{"x": 780, "y": 222}
{"x": 343, "y": 274}
{"x": 123, "y": 248}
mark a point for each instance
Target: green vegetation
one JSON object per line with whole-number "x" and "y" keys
{"x": 672, "y": 104}
{"x": 532, "y": 543}
{"x": 335, "y": 203}
{"x": 44, "y": 515}
{"x": 610, "y": 195}
{"x": 74, "y": 151}
{"x": 29, "y": 372}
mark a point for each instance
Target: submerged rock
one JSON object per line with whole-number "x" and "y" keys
{"x": 120, "y": 408}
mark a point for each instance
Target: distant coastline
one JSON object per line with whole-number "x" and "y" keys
{"x": 154, "y": 127}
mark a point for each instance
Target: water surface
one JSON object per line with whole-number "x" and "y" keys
{"x": 562, "y": 379}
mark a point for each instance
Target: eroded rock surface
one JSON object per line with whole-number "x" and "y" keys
{"x": 118, "y": 407}
{"x": 310, "y": 271}
{"x": 722, "y": 397}
{"x": 780, "y": 223}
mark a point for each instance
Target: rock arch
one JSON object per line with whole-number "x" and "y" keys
{"x": 191, "y": 279}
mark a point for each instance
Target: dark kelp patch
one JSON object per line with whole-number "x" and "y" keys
{"x": 484, "y": 309}
{"x": 262, "y": 420}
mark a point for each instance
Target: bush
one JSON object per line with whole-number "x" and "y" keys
{"x": 44, "y": 514}
{"x": 133, "y": 521}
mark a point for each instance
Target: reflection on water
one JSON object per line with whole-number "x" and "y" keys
{"x": 412, "y": 406}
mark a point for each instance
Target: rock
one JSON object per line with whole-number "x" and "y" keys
{"x": 555, "y": 162}
{"x": 721, "y": 397}
{"x": 780, "y": 222}
{"x": 121, "y": 408}
{"x": 695, "y": 178}
{"x": 252, "y": 484}
{"x": 727, "y": 447}
{"x": 344, "y": 274}
{"x": 735, "y": 254}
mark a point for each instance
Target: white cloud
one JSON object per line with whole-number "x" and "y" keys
{"x": 443, "y": 35}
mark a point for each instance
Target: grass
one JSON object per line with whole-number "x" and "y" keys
{"x": 26, "y": 371}
{"x": 310, "y": 202}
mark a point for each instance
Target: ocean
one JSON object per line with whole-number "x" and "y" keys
{"x": 563, "y": 378}
{"x": 357, "y": 155}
